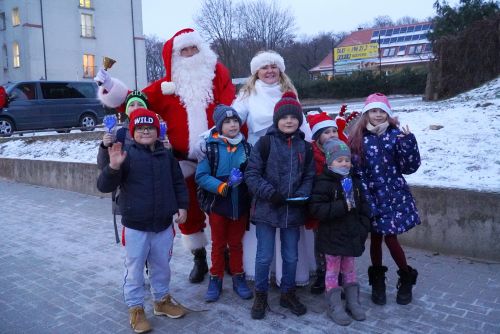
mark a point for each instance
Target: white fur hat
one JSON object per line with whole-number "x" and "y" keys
{"x": 264, "y": 58}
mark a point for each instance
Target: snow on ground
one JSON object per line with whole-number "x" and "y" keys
{"x": 464, "y": 153}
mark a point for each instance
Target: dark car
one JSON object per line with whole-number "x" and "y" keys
{"x": 35, "y": 105}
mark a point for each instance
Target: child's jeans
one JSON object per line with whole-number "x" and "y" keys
{"x": 227, "y": 232}
{"x": 156, "y": 248}
{"x": 265, "y": 253}
{"x": 336, "y": 264}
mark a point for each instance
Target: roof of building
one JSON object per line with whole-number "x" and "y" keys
{"x": 401, "y": 35}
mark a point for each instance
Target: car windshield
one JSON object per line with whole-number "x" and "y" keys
{"x": 8, "y": 86}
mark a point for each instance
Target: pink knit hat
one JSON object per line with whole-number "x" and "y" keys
{"x": 377, "y": 100}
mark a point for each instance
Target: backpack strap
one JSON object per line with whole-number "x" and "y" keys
{"x": 213, "y": 156}
{"x": 265, "y": 146}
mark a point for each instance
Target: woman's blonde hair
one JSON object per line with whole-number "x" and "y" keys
{"x": 284, "y": 81}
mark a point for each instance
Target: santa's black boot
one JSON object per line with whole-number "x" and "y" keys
{"x": 200, "y": 267}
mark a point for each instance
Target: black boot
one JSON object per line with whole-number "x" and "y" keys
{"x": 318, "y": 286}
{"x": 376, "y": 278}
{"x": 407, "y": 279}
{"x": 290, "y": 301}
{"x": 259, "y": 305}
{"x": 200, "y": 267}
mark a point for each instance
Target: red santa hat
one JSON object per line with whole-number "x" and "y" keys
{"x": 319, "y": 121}
{"x": 181, "y": 39}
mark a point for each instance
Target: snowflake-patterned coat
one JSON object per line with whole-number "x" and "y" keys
{"x": 386, "y": 158}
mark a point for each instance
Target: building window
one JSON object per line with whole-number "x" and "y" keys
{"x": 411, "y": 50}
{"x": 85, "y": 4}
{"x": 88, "y": 66}
{"x": 385, "y": 52}
{"x": 5, "y": 58}
{"x": 2, "y": 21}
{"x": 15, "y": 17}
{"x": 16, "y": 55}
{"x": 87, "y": 25}
{"x": 419, "y": 48}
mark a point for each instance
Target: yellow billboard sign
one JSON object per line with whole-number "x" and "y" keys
{"x": 353, "y": 52}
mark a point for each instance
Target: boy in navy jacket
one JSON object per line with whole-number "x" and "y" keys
{"x": 152, "y": 191}
{"x": 281, "y": 181}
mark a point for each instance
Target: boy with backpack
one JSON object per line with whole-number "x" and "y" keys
{"x": 224, "y": 197}
{"x": 281, "y": 182}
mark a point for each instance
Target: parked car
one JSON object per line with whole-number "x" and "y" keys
{"x": 35, "y": 105}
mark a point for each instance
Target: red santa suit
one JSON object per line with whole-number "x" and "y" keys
{"x": 185, "y": 99}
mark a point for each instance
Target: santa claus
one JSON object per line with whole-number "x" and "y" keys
{"x": 194, "y": 83}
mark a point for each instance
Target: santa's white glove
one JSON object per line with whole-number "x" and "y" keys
{"x": 104, "y": 79}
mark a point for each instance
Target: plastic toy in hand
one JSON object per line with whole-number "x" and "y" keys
{"x": 349, "y": 194}
{"x": 163, "y": 130}
{"x": 110, "y": 122}
{"x": 235, "y": 177}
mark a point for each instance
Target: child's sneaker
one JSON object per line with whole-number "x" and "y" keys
{"x": 214, "y": 289}
{"x": 138, "y": 320}
{"x": 169, "y": 307}
{"x": 240, "y": 286}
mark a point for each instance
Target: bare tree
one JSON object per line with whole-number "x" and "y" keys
{"x": 382, "y": 21}
{"x": 266, "y": 25}
{"x": 238, "y": 30}
{"x": 218, "y": 23}
{"x": 406, "y": 20}
{"x": 154, "y": 61}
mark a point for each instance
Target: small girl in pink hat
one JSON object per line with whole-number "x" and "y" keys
{"x": 382, "y": 152}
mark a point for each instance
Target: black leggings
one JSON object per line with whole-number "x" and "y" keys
{"x": 392, "y": 243}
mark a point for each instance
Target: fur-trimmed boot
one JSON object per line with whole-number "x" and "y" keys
{"x": 200, "y": 267}
{"x": 407, "y": 279}
{"x": 376, "y": 278}
{"x": 336, "y": 310}
{"x": 352, "y": 304}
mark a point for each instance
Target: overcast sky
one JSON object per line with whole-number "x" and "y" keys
{"x": 163, "y": 18}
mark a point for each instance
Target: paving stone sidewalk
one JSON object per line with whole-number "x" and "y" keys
{"x": 61, "y": 272}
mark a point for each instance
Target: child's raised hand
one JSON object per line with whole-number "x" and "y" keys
{"x": 405, "y": 131}
{"x": 116, "y": 156}
{"x": 181, "y": 216}
{"x": 108, "y": 139}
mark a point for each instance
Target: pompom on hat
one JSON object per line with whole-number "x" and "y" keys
{"x": 135, "y": 95}
{"x": 222, "y": 112}
{"x": 264, "y": 58}
{"x": 288, "y": 105}
{"x": 377, "y": 100}
{"x": 319, "y": 121}
{"x": 143, "y": 116}
{"x": 181, "y": 39}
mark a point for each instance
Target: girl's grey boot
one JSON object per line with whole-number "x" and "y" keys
{"x": 336, "y": 309}
{"x": 353, "y": 306}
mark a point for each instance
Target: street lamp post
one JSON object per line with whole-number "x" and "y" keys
{"x": 379, "y": 57}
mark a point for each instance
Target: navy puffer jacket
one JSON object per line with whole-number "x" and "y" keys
{"x": 152, "y": 188}
{"x": 286, "y": 172}
{"x": 386, "y": 158}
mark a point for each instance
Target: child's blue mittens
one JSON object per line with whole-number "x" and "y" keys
{"x": 235, "y": 177}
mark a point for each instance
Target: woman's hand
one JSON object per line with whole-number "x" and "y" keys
{"x": 181, "y": 216}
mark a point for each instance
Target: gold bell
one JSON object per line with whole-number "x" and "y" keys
{"x": 108, "y": 62}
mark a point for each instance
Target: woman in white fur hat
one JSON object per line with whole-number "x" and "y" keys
{"x": 255, "y": 105}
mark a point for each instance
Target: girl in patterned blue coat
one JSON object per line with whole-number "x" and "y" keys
{"x": 382, "y": 153}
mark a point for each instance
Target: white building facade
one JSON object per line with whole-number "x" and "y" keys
{"x": 67, "y": 40}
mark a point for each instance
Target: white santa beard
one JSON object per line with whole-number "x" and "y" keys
{"x": 193, "y": 84}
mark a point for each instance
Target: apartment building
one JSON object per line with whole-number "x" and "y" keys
{"x": 67, "y": 40}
